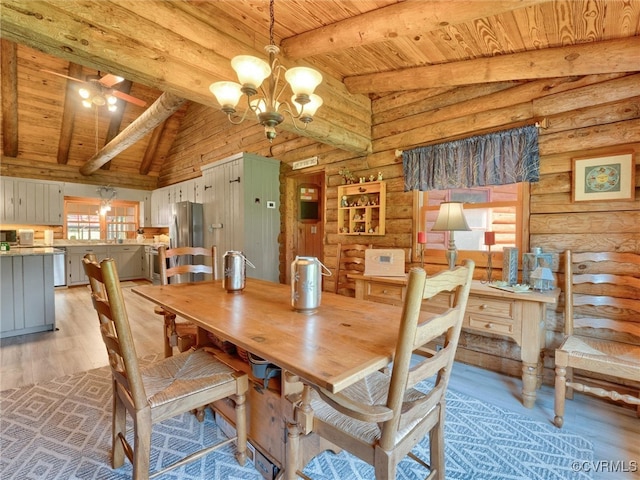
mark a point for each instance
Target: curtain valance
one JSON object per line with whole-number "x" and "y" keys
{"x": 500, "y": 158}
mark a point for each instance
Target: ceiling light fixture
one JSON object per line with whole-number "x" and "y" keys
{"x": 107, "y": 194}
{"x": 269, "y": 109}
{"x": 96, "y": 94}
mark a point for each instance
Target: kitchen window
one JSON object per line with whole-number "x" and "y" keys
{"x": 501, "y": 209}
{"x": 84, "y": 220}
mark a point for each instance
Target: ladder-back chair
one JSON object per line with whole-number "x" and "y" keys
{"x": 350, "y": 260}
{"x": 602, "y": 328}
{"x": 162, "y": 390}
{"x": 182, "y": 334}
{"x": 382, "y": 417}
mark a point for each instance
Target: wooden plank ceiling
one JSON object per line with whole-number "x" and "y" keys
{"x": 365, "y": 49}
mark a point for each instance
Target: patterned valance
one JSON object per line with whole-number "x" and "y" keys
{"x": 500, "y": 158}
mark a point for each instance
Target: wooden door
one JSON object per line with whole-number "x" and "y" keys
{"x": 305, "y": 234}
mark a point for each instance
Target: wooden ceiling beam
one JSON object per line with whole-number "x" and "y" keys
{"x": 9, "y": 91}
{"x": 68, "y": 114}
{"x": 149, "y": 52}
{"x": 157, "y": 113}
{"x": 152, "y": 149}
{"x": 116, "y": 117}
{"x": 412, "y": 17}
{"x": 611, "y": 56}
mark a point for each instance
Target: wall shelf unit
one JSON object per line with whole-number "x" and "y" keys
{"x": 361, "y": 208}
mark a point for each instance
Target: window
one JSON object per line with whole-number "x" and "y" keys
{"x": 83, "y": 220}
{"x": 501, "y": 209}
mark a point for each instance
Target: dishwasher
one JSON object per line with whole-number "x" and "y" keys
{"x": 60, "y": 267}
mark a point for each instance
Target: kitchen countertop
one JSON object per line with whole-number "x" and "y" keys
{"x": 23, "y": 251}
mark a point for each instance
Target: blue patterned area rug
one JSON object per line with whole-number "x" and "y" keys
{"x": 60, "y": 430}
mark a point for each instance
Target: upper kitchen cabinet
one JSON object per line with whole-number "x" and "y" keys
{"x": 33, "y": 202}
{"x": 162, "y": 198}
{"x": 241, "y": 212}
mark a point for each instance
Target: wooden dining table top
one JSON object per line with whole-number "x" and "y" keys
{"x": 345, "y": 340}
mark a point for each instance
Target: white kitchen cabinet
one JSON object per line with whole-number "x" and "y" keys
{"x": 75, "y": 269}
{"x": 32, "y": 202}
{"x": 162, "y": 198}
{"x": 128, "y": 257}
{"x": 27, "y": 301}
{"x": 241, "y": 210}
{"x": 128, "y": 260}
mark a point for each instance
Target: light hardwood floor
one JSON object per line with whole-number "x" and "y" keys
{"x": 76, "y": 346}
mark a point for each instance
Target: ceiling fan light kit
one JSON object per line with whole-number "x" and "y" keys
{"x": 252, "y": 72}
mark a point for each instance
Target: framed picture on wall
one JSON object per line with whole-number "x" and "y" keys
{"x": 608, "y": 177}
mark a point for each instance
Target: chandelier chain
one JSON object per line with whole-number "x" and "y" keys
{"x": 272, "y": 21}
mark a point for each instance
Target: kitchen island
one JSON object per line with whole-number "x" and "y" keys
{"x": 27, "y": 302}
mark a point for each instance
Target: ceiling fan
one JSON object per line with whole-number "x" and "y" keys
{"x": 98, "y": 90}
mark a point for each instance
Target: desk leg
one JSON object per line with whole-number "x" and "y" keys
{"x": 533, "y": 321}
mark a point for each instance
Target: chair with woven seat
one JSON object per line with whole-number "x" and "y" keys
{"x": 182, "y": 334}
{"x": 602, "y": 329}
{"x": 350, "y": 260}
{"x": 383, "y": 416}
{"x": 162, "y": 390}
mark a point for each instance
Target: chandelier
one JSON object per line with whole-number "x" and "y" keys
{"x": 95, "y": 94}
{"x": 268, "y": 107}
{"x": 107, "y": 195}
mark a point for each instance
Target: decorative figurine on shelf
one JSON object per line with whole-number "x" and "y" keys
{"x": 347, "y": 176}
{"x": 379, "y": 176}
{"x": 372, "y": 177}
{"x": 344, "y": 202}
{"x": 362, "y": 179}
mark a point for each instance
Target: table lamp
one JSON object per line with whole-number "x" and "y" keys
{"x": 451, "y": 219}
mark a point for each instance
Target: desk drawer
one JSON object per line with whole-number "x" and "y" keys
{"x": 490, "y": 307}
{"x": 486, "y": 324}
{"x": 384, "y": 293}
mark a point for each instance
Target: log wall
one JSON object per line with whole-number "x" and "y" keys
{"x": 581, "y": 116}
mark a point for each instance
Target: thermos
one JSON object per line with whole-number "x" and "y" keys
{"x": 306, "y": 283}
{"x": 234, "y": 278}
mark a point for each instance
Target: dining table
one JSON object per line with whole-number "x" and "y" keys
{"x": 342, "y": 341}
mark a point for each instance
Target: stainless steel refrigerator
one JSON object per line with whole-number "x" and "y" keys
{"x": 186, "y": 230}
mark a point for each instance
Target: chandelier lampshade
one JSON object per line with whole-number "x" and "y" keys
{"x": 257, "y": 77}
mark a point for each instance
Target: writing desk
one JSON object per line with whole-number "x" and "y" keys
{"x": 343, "y": 342}
{"x": 490, "y": 311}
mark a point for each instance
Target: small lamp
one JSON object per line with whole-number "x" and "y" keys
{"x": 542, "y": 279}
{"x": 451, "y": 219}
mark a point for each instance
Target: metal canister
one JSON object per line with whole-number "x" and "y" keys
{"x": 306, "y": 283}
{"x": 234, "y": 278}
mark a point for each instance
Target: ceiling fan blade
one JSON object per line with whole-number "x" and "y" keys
{"x": 110, "y": 80}
{"x": 62, "y": 75}
{"x": 129, "y": 98}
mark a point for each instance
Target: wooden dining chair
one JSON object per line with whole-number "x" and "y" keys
{"x": 182, "y": 334}
{"x": 350, "y": 260}
{"x": 382, "y": 417}
{"x": 161, "y": 390}
{"x": 602, "y": 328}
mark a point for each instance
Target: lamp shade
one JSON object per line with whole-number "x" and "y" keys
{"x": 251, "y": 70}
{"x": 450, "y": 218}
{"x": 303, "y": 80}
{"x": 308, "y": 109}
{"x": 227, "y": 93}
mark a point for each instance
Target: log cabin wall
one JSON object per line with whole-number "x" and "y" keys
{"x": 583, "y": 116}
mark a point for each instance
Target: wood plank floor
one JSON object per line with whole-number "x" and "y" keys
{"x": 76, "y": 346}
